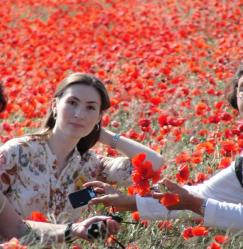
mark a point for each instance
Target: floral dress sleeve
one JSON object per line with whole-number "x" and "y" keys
{"x": 113, "y": 170}
{"x": 8, "y": 165}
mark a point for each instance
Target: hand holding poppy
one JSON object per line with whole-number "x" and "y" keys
{"x": 178, "y": 198}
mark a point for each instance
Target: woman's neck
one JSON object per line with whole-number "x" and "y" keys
{"x": 61, "y": 146}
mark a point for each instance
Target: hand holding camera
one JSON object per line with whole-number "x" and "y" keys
{"x": 98, "y": 227}
{"x": 100, "y": 230}
{"x": 93, "y": 228}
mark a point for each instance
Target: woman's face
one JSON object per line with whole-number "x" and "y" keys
{"x": 77, "y": 111}
{"x": 240, "y": 96}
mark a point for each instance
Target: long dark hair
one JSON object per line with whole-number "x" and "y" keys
{"x": 3, "y": 100}
{"x": 232, "y": 90}
{"x": 88, "y": 141}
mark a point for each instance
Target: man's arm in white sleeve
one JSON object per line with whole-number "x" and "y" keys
{"x": 150, "y": 208}
{"x": 223, "y": 215}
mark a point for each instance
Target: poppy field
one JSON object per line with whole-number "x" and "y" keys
{"x": 166, "y": 64}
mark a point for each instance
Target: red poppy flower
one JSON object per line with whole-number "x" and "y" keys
{"x": 201, "y": 108}
{"x": 229, "y": 147}
{"x": 165, "y": 225}
{"x": 183, "y": 174}
{"x": 224, "y": 163}
{"x": 76, "y": 246}
{"x": 12, "y": 244}
{"x": 135, "y": 216}
{"x": 187, "y": 233}
{"x": 194, "y": 231}
{"x": 143, "y": 175}
{"x": 214, "y": 245}
{"x": 225, "y": 116}
{"x": 37, "y": 216}
{"x": 221, "y": 239}
{"x": 138, "y": 159}
{"x": 200, "y": 177}
{"x": 183, "y": 157}
{"x": 169, "y": 199}
{"x": 199, "y": 231}
{"x": 206, "y": 146}
{"x": 132, "y": 246}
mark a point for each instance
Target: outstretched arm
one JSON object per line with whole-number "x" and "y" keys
{"x": 216, "y": 213}
{"x": 130, "y": 147}
{"x": 47, "y": 232}
{"x": 148, "y": 207}
{"x": 56, "y": 232}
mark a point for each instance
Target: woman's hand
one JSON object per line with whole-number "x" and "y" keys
{"x": 111, "y": 197}
{"x": 80, "y": 230}
{"x": 187, "y": 201}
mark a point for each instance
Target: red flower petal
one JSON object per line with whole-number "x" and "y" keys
{"x": 169, "y": 199}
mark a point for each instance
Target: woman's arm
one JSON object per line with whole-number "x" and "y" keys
{"x": 50, "y": 233}
{"x": 47, "y": 232}
{"x": 130, "y": 147}
{"x": 15, "y": 226}
{"x": 148, "y": 207}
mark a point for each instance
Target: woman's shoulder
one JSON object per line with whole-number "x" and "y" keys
{"x": 24, "y": 141}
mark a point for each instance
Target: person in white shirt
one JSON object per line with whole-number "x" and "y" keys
{"x": 219, "y": 200}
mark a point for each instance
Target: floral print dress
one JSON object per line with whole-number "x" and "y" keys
{"x": 28, "y": 176}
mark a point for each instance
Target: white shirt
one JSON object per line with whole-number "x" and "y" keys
{"x": 224, "y": 207}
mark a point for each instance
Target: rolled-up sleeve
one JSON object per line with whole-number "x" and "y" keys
{"x": 223, "y": 186}
{"x": 223, "y": 215}
{"x": 150, "y": 208}
{"x": 115, "y": 170}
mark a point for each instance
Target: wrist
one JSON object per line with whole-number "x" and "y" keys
{"x": 203, "y": 206}
{"x": 131, "y": 204}
{"x": 115, "y": 140}
{"x": 109, "y": 138}
{"x": 198, "y": 205}
{"x": 69, "y": 233}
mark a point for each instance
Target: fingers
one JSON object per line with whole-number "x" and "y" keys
{"x": 107, "y": 226}
{"x": 99, "y": 190}
{"x": 112, "y": 226}
{"x": 94, "y": 219}
{"x": 157, "y": 195}
{"x": 106, "y": 200}
{"x": 97, "y": 184}
{"x": 98, "y": 218}
{"x": 167, "y": 182}
{"x": 171, "y": 186}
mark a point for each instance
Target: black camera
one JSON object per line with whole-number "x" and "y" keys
{"x": 98, "y": 230}
{"x": 81, "y": 197}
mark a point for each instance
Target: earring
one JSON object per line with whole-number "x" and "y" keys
{"x": 97, "y": 127}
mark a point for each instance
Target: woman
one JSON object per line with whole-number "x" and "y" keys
{"x": 221, "y": 206}
{"x": 39, "y": 171}
{"x": 45, "y": 231}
